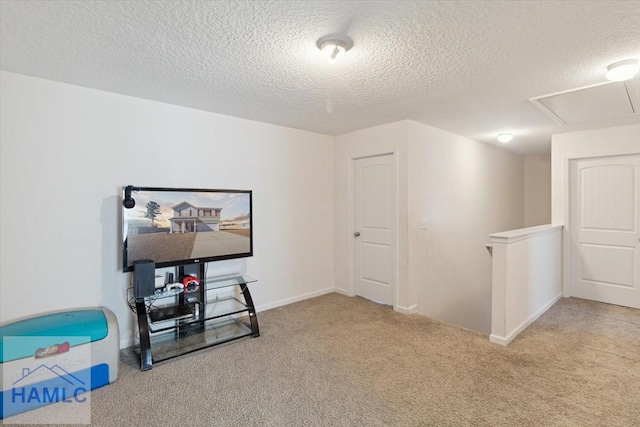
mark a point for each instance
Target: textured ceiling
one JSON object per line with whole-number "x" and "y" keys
{"x": 466, "y": 67}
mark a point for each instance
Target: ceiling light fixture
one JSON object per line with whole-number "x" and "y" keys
{"x": 505, "y": 137}
{"x": 622, "y": 70}
{"x": 332, "y": 46}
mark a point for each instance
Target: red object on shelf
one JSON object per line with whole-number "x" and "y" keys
{"x": 191, "y": 284}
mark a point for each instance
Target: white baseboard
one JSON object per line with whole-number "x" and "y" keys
{"x": 291, "y": 300}
{"x": 506, "y": 340}
{"x": 498, "y": 339}
{"x": 406, "y": 310}
{"x": 343, "y": 292}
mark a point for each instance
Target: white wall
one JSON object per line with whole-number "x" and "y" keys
{"x": 537, "y": 190}
{"x": 574, "y": 145}
{"x": 66, "y": 151}
{"x": 463, "y": 190}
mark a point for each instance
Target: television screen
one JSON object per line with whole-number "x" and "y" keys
{"x": 177, "y": 226}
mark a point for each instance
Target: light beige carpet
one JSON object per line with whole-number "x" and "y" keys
{"x": 340, "y": 361}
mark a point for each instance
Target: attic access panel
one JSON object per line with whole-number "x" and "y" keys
{"x": 603, "y": 101}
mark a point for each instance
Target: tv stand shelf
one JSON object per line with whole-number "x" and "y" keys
{"x": 174, "y": 323}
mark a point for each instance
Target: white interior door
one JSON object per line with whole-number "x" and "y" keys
{"x": 605, "y": 239}
{"x": 375, "y": 228}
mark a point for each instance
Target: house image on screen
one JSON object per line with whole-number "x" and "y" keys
{"x": 192, "y": 219}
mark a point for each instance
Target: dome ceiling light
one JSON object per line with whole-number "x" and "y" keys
{"x": 333, "y": 46}
{"x": 622, "y": 70}
{"x": 505, "y": 137}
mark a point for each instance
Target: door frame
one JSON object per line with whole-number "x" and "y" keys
{"x": 568, "y": 162}
{"x": 351, "y": 221}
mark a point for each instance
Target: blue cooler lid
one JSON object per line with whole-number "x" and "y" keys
{"x": 76, "y": 327}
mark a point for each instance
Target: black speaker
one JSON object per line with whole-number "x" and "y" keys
{"x": 144, "y": 278}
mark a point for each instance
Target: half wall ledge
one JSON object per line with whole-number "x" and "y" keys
{"x": 526, "y": 278}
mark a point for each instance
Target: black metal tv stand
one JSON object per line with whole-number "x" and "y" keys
{"x": 175, "y": 323}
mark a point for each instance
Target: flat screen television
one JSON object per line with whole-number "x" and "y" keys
{"x": 178, "y": 226}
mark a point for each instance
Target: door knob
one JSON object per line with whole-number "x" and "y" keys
{"x": 356, "y": 234}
